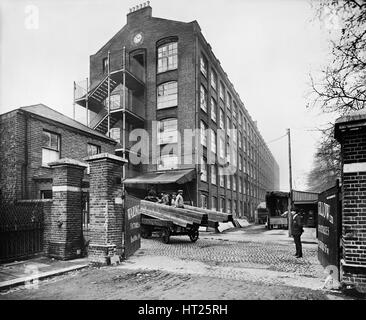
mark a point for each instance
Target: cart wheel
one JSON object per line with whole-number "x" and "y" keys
{"x": 193, "y": 235}
{"x": 166, "y": 236}
{"x": 146, "y": 233}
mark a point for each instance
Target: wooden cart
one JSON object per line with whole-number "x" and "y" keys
{"x": 166, "y": 228}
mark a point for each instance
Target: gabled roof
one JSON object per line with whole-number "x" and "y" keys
{"x": 46, "y": 112}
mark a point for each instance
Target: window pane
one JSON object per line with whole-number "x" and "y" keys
{"x": 50, "y": 140}
{"x": 167, "y": 131}
{"x": 213, "y": 109}
{"x": 203, "y": 66}
{"x": 213, "y": 141}
{"x": 93, "y": 149}
{"x": 213, "y": 80}
{"x": 167, "y": 95}
{"x": 203, "y": 169}
{"x": 49, "y": 156}
{"x": 168, "y": 57}
{"x": 169, "y": 161}
{"x": 203, "y": 134}
{"x": 222, "y": 119}
{"x": 116, "y": 134}
{"x": 213, "y": 174}
{"x": 203, "y": 98}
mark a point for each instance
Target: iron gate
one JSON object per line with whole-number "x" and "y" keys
{"x": 21, "y": 230}
{"x": 329, "y": 227}
{"x": 132, "y": 229}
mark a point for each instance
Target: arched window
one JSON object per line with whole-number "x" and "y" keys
{"x": 168, "y": 56}
{"x": 167, "y": 94}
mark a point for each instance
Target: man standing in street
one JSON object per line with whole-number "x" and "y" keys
{"x": 179, "y": 203}
{"x": 297, "y": 230}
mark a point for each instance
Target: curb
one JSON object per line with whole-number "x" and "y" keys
{"x": 22, "y": 280}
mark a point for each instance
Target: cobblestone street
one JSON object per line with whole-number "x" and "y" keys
{"x": 212, "y": 268}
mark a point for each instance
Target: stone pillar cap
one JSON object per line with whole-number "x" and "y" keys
{"x": 101, "y": 156}
{"x": 68, "y": 162}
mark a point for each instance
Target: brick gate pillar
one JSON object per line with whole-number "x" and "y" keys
{"x": 350, "y": 131}
{"x": 65, "y": 230}
{"x": 105, "y": 207}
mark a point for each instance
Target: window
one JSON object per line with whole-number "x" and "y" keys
{"x": 228, "y": 209}
{"x": 234, "y": 183}
{"x": 115, "y": 101}
{"x": 50, "y": 147}
{"x": 115, "y": 134}
{"x": 240, "y": 185}
{"x": 203, "y": 96}
{"x": 167, "y": 95}
{"x": 240, "y": 163}
{"x": 222, "y": 92}
{"x": 46, "y": 194}
{"x": 167, "y": 131}
{"x": 203, "y": 134}
{"x": 168, "y": 57}
{"x": 240, "y": 140}
{"x": 203, "y": 169}
{"x": 228, "y": 126}
{"x": 221, "y": 177}
{"x": 234, "y": 207}
{"x": 228, "y": 101}
{"x": 228, "y": 153}
{"x": 213, "y": 109}
{"x": 203, "y": 201}
{"x": 222, "y": 125}
{"x": 213, "y": 141}
{"x": 105, "y": 65}
{"x": 214, "y": 203}
{"x": 167, "y": 162}
{"x": 203, "y": 65}
{"x": 93, "y": 149}
{"x": 222, "y": 147}
{"x": 222, "y": 204}
{"x": 228, "y": 182}
{"x": 235, "y": 136}
{"x": 235, "y": 108}
{"x": 240, "y": 119}
{"x": 213, "y": 174}
{"x": 213, "y": 80}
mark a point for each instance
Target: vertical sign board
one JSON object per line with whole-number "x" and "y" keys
{"x": 132, "y": 228}
{"x": 329, "y": 227}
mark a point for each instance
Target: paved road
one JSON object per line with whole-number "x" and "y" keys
{"x": 214, "y": 267}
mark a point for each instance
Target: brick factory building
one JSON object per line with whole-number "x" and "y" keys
{"x": 161, "y": 75}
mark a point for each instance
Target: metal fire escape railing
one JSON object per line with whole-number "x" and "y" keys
{"x": 98, "y": 97}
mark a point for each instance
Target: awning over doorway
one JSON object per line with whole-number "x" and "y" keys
{"x": 163, "y": 177}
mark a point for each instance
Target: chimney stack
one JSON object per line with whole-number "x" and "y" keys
{"x": 140, "y": 11}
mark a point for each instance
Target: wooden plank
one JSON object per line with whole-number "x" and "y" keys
{"x": 190, "y": 216}
{"x": 212, "y": 214}
{"x": 157, "y": 222}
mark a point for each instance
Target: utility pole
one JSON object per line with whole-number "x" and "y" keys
{"x": 289, "y": 215}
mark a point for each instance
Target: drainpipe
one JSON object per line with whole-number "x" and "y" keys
{"x": 25, "y": 193}
{"x": 196, "y": 116}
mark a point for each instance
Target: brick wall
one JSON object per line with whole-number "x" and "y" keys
{"x": 354, "y": 207}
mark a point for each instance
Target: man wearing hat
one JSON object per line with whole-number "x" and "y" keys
{"x": 179, "y": 203}
{"x": 297, "y": 230}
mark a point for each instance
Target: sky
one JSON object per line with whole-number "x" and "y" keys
{"x": 268, "y": 48}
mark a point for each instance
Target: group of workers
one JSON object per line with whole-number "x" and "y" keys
{"x": 175, "y": 200}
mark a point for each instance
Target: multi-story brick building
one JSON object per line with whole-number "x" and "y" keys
{"x": 161, "y": 75}
{"x": 33, "y": 136}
